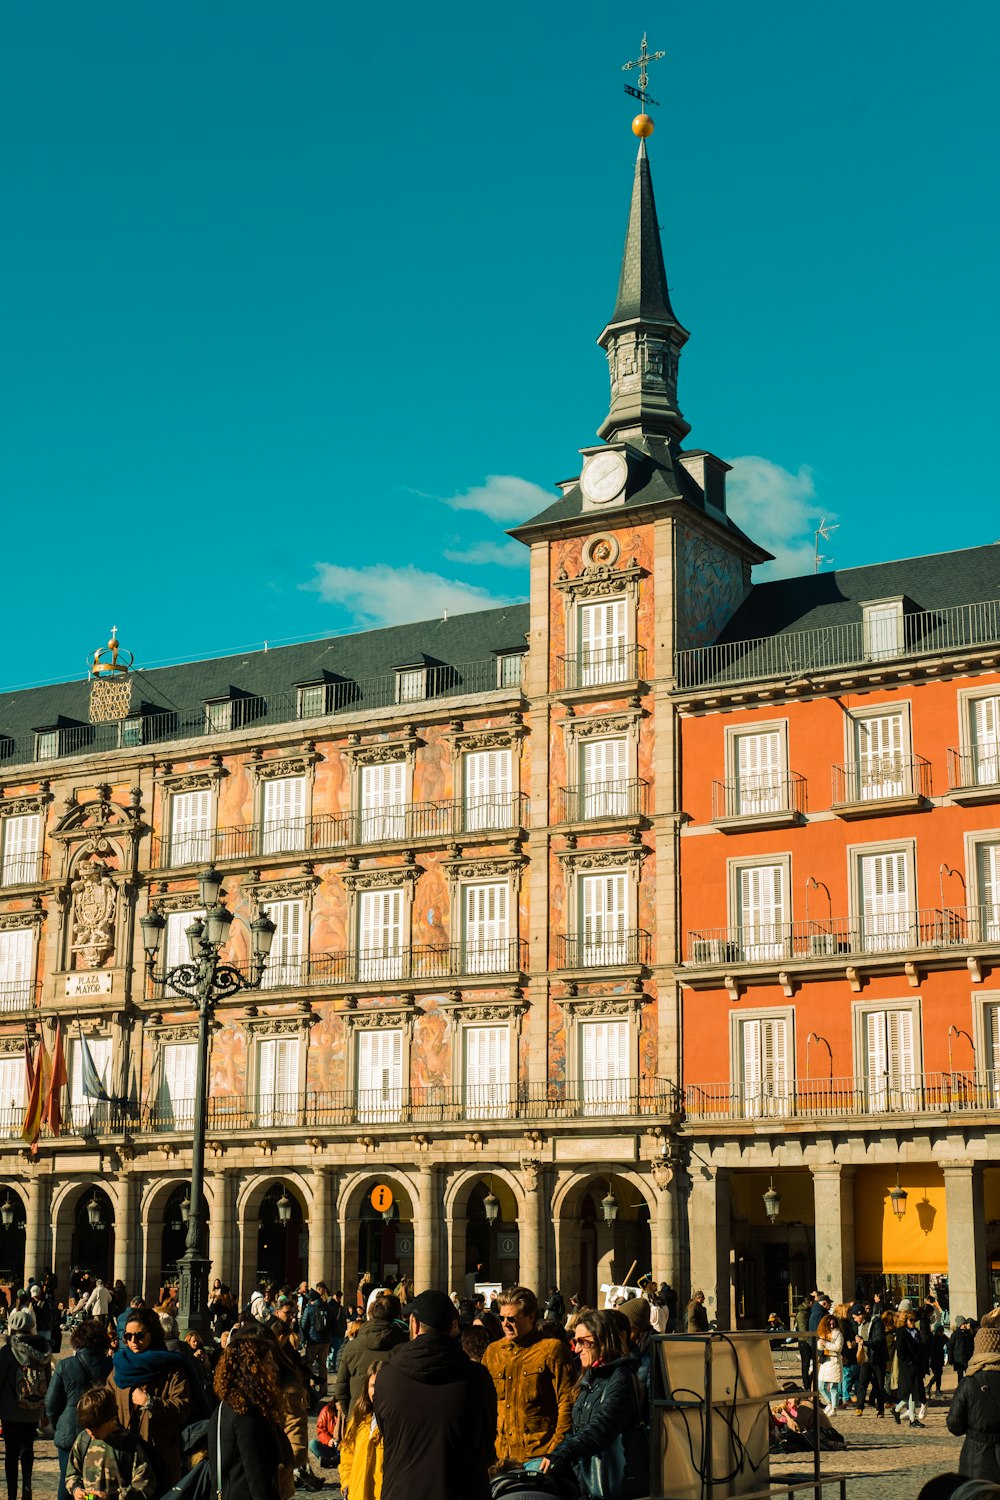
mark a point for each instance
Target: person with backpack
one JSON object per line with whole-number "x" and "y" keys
{"x": 314, "y": 1326}
{"x": 25, "y": 1367}
{"x": 90, "y": 1364}
{"x": 103, "y": 1450}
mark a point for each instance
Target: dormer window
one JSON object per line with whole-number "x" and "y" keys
{"x": 218, "y": 715}
{"x": 883, "y": 627}
{"x": 233, "y": 712}
{"x": 46, "y": 744}
{"x": 509, "y": 668}
{"x": 313, "y": 699}
{"x": 411, "y": 684}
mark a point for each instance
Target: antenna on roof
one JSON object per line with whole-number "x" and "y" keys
{"x": 445, "y": 615}
{"x": 823, "y": 530}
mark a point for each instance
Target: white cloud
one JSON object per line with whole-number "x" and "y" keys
{"x": 383, "y": 595}
{"x": 503, "y": 497}
{"x": 779, "y": 510}
{"x": 500, "y": 554}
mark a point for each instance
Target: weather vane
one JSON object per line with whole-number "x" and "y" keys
{"x": 642, "y": 63}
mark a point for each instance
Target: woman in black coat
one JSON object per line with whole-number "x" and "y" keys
{"x": 244, "y": 1430}
{"x": 910, "y": 1359}
{"x": 975, "y": 1406}
{"x": 89, "y": 1365}
{"x": 605, "y": 1409}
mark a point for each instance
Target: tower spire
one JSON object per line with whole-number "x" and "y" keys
{"x": 644, "y": 339}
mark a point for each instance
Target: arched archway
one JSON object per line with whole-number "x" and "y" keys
{"x": 378, "y": 1243}
{"x": 93, "y": 1245}
{"x": 603, "y": 1234}
{"x": 12, "y": 1267}
{"x": 481, "y": 1250}
{"x": 282, "y": 1239}
{"x": 173, "y": 1236}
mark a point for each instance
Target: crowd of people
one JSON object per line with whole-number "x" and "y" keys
{"x": 435, "y": 1395}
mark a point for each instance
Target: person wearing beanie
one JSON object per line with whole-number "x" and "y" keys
{"x": 25, "y": 1367}
{"x": 975, "y": 1408}
{"x": 640, "y": 1346}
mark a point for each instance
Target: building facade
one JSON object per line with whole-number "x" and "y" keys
{"x": 538, "y": 968}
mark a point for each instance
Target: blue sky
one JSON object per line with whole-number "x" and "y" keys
{"x": 298, "y": 300}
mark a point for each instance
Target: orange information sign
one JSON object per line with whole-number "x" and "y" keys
{"x": 382, "y": 1198}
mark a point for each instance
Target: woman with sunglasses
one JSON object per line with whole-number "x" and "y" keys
{"x": 606, "y": 1407}
{"x": 152, "y": 1392}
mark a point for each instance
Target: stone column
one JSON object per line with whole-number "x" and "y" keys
{"x": 531, "y": 1266}
{"x": 37, "y": 1192}
{"x": 968, "y": 1273}
{"x": 127, "y": 1243}
{"x": 710, "y": 1221}
{"x": 322, "y": 1261}
{"x": 833, "y": 1199}
{"x": 426, "y": 1225}
{"x": 664, "y": 1236}
{"x": 222, "y": 1239}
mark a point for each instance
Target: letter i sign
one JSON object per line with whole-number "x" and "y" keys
{"x": 381, "y": 1198}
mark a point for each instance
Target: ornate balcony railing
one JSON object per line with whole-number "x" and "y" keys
{"x": 414, "y": 820}
{"x": 24, "y": 869}
{"x": 979, "y": 767}
{"x": 847, "y": 937}
{"x": 603, "y": 950}
{"x": 881, "y": 778}
{"x": 602, "y": 799}
{"x": 801, "y": 652}
{"x": 17, "y": 995}
{"x": 767, "y": 794}
{"x": 595, "y": 669}
{"x": 813, "y": 1098}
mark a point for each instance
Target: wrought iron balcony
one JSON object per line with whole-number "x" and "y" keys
{"x": 881, "y": 779}
{"x": 799, "y": 652}
{"x": 603, "y": 950}
{"x": 768, "y": 797}
{"x": 24, "y": 869}
{"x": 596, "y": 669}
{"x": 844, "y": 937}
{"x": 812, "y": 1098}
{"x": 975, "y": 771}
{"x": 602, "y": 799}
{"x": 19, "y": 995}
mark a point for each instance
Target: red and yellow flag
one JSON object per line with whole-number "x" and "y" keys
{"x": 41, "y": 1075}
{"x": 52, "y": 1111}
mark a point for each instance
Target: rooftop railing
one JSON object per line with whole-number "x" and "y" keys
{"x": 846, "y": 937}
{"x": 802, "y": 652}
{"x": 814, "y": 1098}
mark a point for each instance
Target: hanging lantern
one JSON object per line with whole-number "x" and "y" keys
{"x": 284, "y": 1208}
{"x": 897, "y": 1197}
{"x": 609, "y": 1206}
{"x": 491, "y": 1207}
{"x": 94, "y": 1213}
{"x": 185, "y": 1208}
{"x": 7, "y": 1213}
{"x": 772, "y": 1203}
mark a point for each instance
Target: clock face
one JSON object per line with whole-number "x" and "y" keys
{"x": 604, "y": 476}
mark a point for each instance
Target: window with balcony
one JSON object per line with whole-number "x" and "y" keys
{"x": 884, "y": 897}
{"x": 283, "y": 815}
{"x": 287, "y": 963}
{"x": 380, "y": 935}
{"x": 17, "y": 968}
{"x": 888, "y": 1041}
{"x": 881, "y": 766}
{"x": 758, "y": 774}
{"x": 382, "y": 792}
{"x": 22, "y": 849}
{"x": 179, "y": 1076}
{"x": 762, "y": 1055}
{"x": 603, "y": 778}
{"x": 85, "y": 1110}
{"x": 602, "y": 628}
{"x": 278, "y": 1090}
{"x": 984, "y": 736}
{"x": 487, "y": 1072}
{"x": 883, "y": 628}
{"x": 192, "y": 816}
{"x": 175, "y": 943}
{"x": 380, "y": 1075}
{"x": 488, "y": 792}
{"x": 12, "y": 1100}
{"x": 510, "y": 666}
{"x": 985, "y": 914}
{"x": 986, "y": 1058}
{"x": 485, "y": 928}
{"x": 762, "y": 915}
{"x": 603, "y": 919}
{"x": 605, "y": 1072}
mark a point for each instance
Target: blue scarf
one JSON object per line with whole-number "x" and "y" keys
{"x": 132, "y": 1369}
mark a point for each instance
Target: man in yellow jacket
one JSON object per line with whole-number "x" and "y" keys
{"x": 534, "y": 1382}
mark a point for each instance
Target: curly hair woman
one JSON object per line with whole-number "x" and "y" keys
{"x": 243, "y": 1433}
{"x": 606, "y": 1407}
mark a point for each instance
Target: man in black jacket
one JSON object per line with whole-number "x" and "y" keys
{"x": 436, "y": 1410}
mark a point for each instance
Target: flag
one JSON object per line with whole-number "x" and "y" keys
{"x": 52, "y": 1112}
{"x": 40, "y": 1075}
{"x": 90, "y": 1080}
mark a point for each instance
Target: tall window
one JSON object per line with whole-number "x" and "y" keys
{"x": 288, "y": 961}
{"x": 989, "y": 1068}
{"x": 175, "y": 1105}
{"x": 488, "y": 780}
{"x": 84, "y": 1110}
{"x": 604, "y": 1067}
{"x": 603, "y": 777}
{"x": 485, "y": 930}
{"x": 284, "y": 815}
{"x": 22, "y": 849}
{"x": 763, "y": 911}
{"x": 175, "y": 937}
{"x": 984, "y": 724}
{"x": 12, "y": 1089}
{"x": 890, "y": 1059}
{"x": 17, "y": 968}
{"x": 380, "y": 935}
{"x": 278, "y": 1097}
{"x": 603, "y": 646}
{"x": 604, "y": 917}
{"x": 487, "y": 1072}
{"x": 759, "y": 774}
{"x": 380, "y": 1075}
{"x": 884, "y": 889}
{"x": 191, "y": 827}
{"x": 764, "y": 1066}
{"x": 988, "y": 892}
{"x": 383, "y": 802}
{"x": 880, "y": 767}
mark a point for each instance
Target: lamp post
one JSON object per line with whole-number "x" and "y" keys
{"x": 205, "y": 979}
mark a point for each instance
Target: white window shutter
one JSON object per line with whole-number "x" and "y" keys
{"x": 380, "y": 935}
{"x": 175, "y": 942}
{"x": 876, "y": 1042}
{"x": 988, "y": 871}
{"x": 488, "y": 789}
{"x": 190, "y": 827}
{"x": 604, "y": 774}
{"x": 17, "y": 961}
{"x": 284, "y": 815}
{"x": 485, "y": 938}
{"x": 885, "y": 899}
{"x": 991, "y": 1035}
{"x": 287, "y": 962}
{"x": 82, "y": 1108}
{"x": 603, "y": 655}
{"x": 759, "y": 773}
{"x": 750, "y": 1040}
{"x": 604, "y": 915}
{"x": 12, "y": 1100}
{"x": 487, "y": 1071}
{"x": 986, "y": 740}
{"x": 383, "y": 802}
{"x": 762, "y": 911}
{"x": 380, "y": 1075}
{"x": 180, "y": 1068}
{"x": 22, "y": 843}
{"x": 604, "y": 1055}
{"x": 882, "y": 771}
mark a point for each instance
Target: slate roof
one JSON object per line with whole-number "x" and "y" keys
{"x": 642, "y": 284}
{"x": 366, "y": 661}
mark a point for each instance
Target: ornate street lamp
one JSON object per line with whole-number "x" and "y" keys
{"x": 206, "y": 980}
{"x": 284, "y": 1207}
{"x": 185, "y": 1208}
{"x": 772, "y": 1202}
{"x": 491, "y": 1205}
{"x": 897, "y": 1197}
{"x": 609, "y": 1206}
{"x": 94, "y": 1214}
{"x": 7, "y": 1213}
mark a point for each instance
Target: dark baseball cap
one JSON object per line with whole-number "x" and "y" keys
{"x": 434, "y": 1309}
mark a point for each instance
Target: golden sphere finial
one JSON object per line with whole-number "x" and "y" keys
{"x": 643, "y": 126}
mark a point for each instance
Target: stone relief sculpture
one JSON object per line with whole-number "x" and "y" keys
{"x": 94, "y": 902}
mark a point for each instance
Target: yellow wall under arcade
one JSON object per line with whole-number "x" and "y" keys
{"x": 918, "y": 1242}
